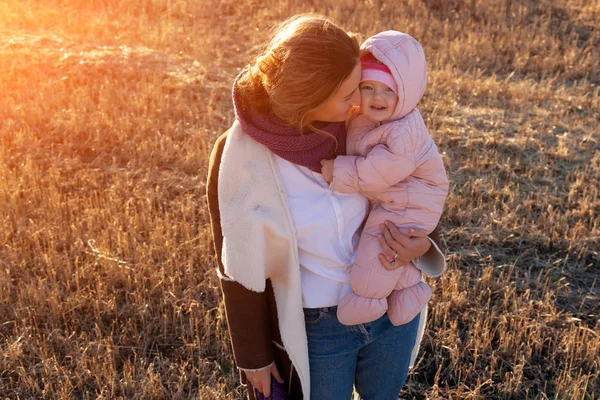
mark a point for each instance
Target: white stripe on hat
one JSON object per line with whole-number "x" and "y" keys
{"x": 379, "y": 76}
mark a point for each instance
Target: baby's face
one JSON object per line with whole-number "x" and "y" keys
{"x": 377, "y": 101}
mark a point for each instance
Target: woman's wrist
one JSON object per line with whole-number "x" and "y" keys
{"x": 268, "y": 367}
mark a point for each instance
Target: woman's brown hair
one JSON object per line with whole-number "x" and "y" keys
{"x": 307, "y": 59}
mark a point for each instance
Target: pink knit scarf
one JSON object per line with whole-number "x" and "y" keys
{"x": 307, "y": 148}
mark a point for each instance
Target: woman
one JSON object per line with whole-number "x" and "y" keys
{"x": 284, "y": 241}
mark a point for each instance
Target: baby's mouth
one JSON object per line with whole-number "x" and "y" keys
{"x": 378, "y": 108}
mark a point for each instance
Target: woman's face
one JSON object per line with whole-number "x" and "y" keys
{"x": 338, "y": 105}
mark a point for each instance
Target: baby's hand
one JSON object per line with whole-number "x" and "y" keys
{"x": 327, "y": 170}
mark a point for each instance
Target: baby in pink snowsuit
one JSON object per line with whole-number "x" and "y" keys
{"x": 393, "y": 161}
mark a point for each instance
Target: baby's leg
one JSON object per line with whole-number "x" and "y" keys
{"x": 369, "y": 277}
{"x": 371, "y": 284}
{"x": 405, "y": 304}
{"x": 409, "y": 276}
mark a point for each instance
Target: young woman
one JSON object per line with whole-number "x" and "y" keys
{"x": 285, "y": 241}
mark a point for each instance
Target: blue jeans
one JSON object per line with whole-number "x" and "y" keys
{"x": 374, "y": 357}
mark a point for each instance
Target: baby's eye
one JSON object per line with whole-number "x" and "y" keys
{"x": 366, "y": 87}
{"x": 389, "y": 89}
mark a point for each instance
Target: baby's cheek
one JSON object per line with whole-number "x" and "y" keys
{"x": 363, "y": 99}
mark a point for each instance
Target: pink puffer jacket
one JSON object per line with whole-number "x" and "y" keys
{"x": 397, "y": 162}
{"x": 398, "y": 167}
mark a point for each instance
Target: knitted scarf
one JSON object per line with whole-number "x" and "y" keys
{"x": 303, "y": 148}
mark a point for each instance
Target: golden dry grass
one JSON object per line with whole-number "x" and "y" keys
{"x": 108, "y": 113}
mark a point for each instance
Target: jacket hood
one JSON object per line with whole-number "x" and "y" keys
{"x": 405, "y": 58}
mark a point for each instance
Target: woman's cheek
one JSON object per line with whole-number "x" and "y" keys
{"x": 346, "y": 110}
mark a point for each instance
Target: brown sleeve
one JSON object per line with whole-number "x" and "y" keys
{"x": 247, "y": 311}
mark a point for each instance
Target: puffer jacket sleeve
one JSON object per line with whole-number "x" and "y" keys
{"x": 384, "y": 166}
{"x": 247, "y": 312}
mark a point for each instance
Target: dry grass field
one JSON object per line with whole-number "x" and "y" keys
{"x": 108, "y": 112}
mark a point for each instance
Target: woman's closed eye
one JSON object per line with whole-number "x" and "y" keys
{"x": 349, "y": 97}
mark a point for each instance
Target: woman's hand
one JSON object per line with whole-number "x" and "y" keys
{"x": 327, "y": 170}
{"x": 261, "y": 379}
{"x": 400, "y": 247}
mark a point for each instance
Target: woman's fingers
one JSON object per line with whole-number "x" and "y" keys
{"x": 387, "y": 265}
{"x": 403, "y": 235}
{"x": 388, "y": 256}
{"x": 267, "y": 390}
{"x": 397, "y": 243}
{"x": 417, "y": 232}
{"x": 261, "y": 380}
{"x": 275, "y": 373}
{"x": 407, "y": 243}
{"x": 386, "y": 250}
{"x": 257, "y": 385}
{"x": 395, "y": 233}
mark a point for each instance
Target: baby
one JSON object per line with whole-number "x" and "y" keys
{"x": 393, "y": 161}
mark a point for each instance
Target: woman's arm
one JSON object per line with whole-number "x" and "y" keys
{"x": 247, "y": 312}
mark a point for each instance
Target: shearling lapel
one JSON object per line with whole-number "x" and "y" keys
{"x": 259, "y": 241}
